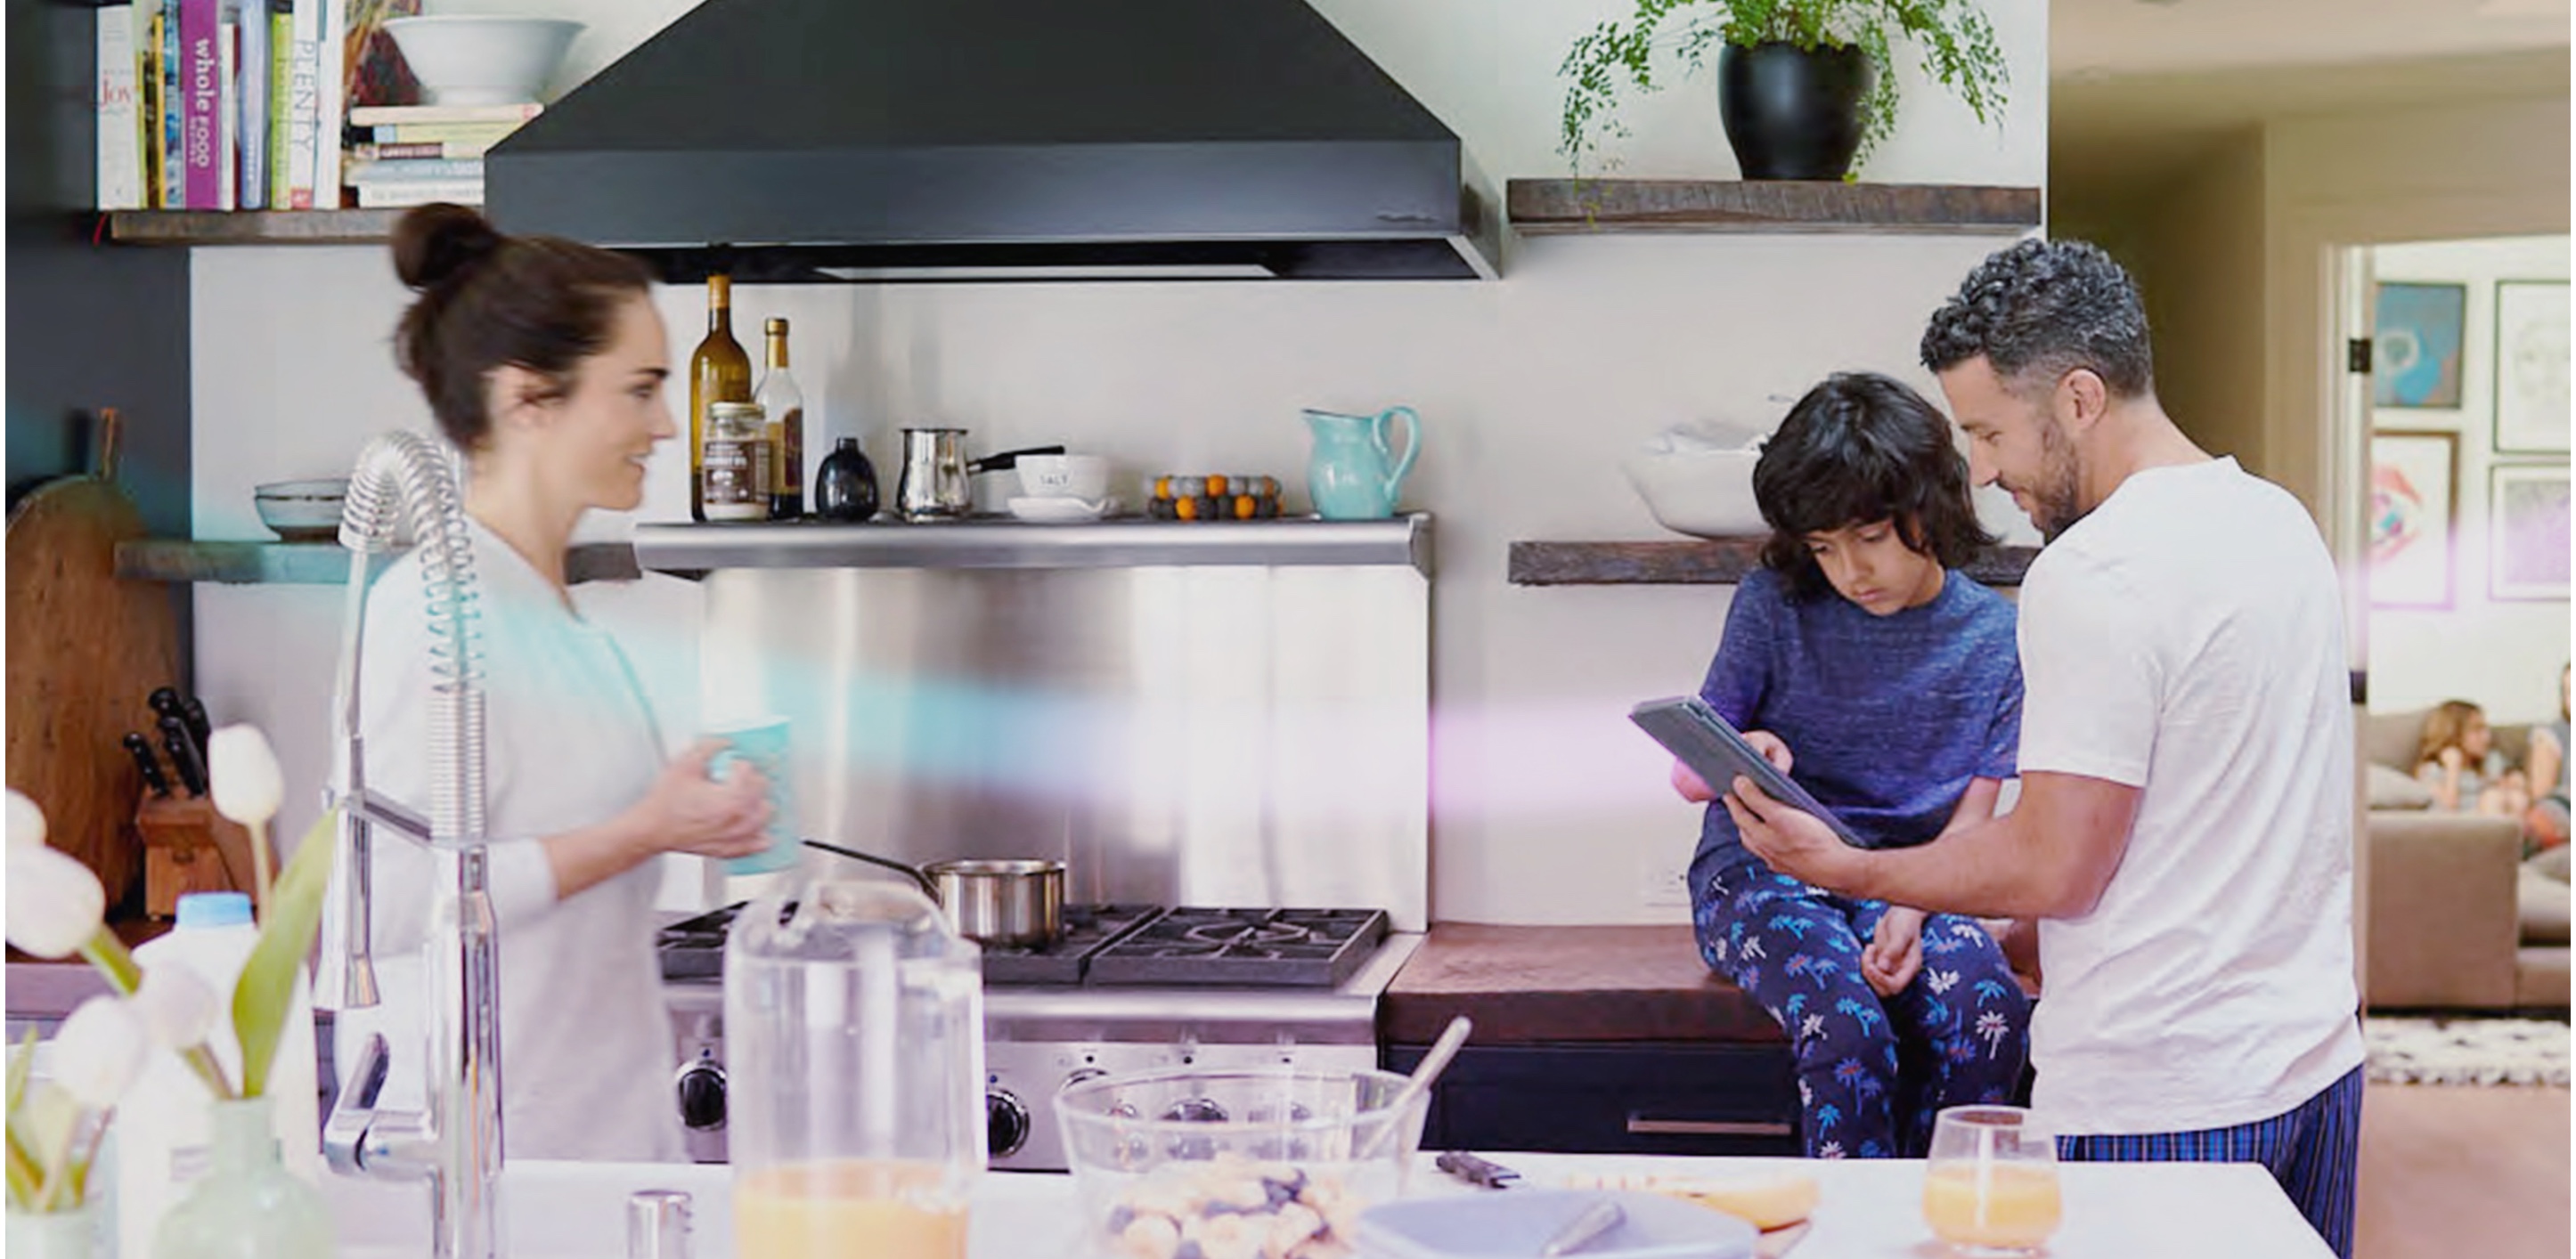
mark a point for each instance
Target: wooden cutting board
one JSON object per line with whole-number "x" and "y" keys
{"x": 84, "y": 650}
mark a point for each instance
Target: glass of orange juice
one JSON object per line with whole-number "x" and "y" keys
{"x": 1990, "y": 1183}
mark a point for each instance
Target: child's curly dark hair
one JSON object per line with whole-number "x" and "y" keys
{"x": 1858, "y": 449}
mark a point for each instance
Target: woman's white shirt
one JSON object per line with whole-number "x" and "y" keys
{"x": 570, "y": 742}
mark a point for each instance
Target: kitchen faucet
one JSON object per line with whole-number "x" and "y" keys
{"x": 455, "y": 1142}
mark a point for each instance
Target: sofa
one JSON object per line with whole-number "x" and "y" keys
{"x": 2455, "y": 919}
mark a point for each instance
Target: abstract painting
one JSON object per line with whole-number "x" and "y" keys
{"x": 2531, "y": 395}
{"x": 2527, "y": 538}
{"x": 2417, "y": 359}
{"x": 2414, "y": 492}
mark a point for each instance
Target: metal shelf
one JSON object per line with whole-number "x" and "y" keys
{"x": 1134, "y": 543}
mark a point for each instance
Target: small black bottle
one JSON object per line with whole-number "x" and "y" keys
{"x": 845, "y": 486}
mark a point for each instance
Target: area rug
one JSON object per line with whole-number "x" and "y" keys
{"x": 2466, "y": 1050}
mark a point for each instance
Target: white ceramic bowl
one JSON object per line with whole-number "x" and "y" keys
{"x": 1704, "y": 493}
{"x": 301, "y": 511}
{"x": 482, "y": 60}
{"x": 1063, "y": 476}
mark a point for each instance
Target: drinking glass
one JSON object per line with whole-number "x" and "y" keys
{"x": 1990, "y": 1183}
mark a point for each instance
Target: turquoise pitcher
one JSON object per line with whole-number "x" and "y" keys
{"x": 1353, "y": 473}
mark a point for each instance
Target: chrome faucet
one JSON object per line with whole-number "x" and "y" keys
{"x": 455, "y": 1144}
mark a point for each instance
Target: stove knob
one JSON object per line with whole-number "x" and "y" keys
{"x": 1194, "y": 1110}
{"x": 1006, "y": 1123}
{"x": 702, "y": 1093}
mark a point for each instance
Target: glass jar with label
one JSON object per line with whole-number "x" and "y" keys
{"x": 738, "y": 464}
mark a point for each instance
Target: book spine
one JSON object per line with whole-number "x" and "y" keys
{"x": 147, "y": 104}
{"x": 369, "y": 151}
{"x": 174, "y": 112}
{"x": 331, "y": 67}
{"x": 250, "y": 92}
{"x": 485, "y": 133}
{"x": 420, "y": 192}
{"x": 383, "y": 172}
{"x": 228, "y": 110}
{"x": 201, "y": 70}
{"x": 305, "y": 91}
{"x": 391, "y": 115}
{"x": 120, "y": 160}
{"x": 281, "y": 105}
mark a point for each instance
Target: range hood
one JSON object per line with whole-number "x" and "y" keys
{"x": 811, "y": 141}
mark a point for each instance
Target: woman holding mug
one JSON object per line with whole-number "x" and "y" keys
{"x": 543, "y": 361}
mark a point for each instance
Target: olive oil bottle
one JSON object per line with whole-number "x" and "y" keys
{"x": 784, "y": 404}
{"x": 718, "y": 372}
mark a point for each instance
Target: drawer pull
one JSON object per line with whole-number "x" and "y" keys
{"x": 1639, "y": 1125}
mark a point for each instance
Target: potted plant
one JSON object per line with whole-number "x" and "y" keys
{"x": 1806, "y": 87}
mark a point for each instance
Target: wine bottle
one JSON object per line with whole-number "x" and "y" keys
{"x": 784, "y": 404}
{"x": 718, "y": 372}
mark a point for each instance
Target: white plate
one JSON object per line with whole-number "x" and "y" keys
{"x": 1058, "y": 510}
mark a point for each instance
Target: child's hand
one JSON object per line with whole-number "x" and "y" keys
{"x": 1771, "y": 748}
{"x": 1688, "y": 782}
{"x": 2453, "y": 758}
{"x": 1895, "y": 951}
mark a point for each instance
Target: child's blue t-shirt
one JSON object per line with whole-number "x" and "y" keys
{"x": 1887, "y": 718}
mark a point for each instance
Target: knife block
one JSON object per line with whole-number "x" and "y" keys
{"x": 188, "y": 847}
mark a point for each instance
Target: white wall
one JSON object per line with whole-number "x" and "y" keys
{"x": 1548, "y": 807}
{"x": 2503, "y": 656}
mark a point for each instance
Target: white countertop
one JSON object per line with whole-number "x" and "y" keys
{"x": 1868, "y": 1209}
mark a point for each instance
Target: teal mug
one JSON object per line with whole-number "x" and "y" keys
{"x": 1353, "y": 473}
{"x": 762, "y": 743}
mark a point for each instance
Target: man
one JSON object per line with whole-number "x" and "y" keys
{"x": 2185, "y": 824}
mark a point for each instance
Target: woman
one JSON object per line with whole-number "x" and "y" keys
{"x": 1888, "y": 683}
{"x": 543, "y": 361}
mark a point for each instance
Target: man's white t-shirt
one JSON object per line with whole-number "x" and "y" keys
{"x": 2186, "y": 638}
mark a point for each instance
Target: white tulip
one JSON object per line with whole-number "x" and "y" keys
{"x": 55, "y": 903}
{"x": 243, "y": 774}
{"x": 26, "y": 821}
{"x": 177, "y": 1006}
{"x": 99, "y": 1052}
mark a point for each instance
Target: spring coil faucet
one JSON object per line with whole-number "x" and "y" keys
{"x": 455, "y": 1143}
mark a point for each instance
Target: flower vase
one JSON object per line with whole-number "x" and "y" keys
{"x": 247, "y": 1205}
{"x": 69, "y": 1234}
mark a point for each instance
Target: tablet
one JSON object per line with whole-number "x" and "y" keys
{"x": 1694, "y": 733}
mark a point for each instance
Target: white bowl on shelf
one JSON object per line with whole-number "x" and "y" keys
{"x": 1061, "y": 509}
{"x": 1699, "y": 481}
{"x": 302, "y": 511}
{"x": 479, "y": 59}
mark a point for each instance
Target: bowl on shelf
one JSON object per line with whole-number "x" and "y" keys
{"x": 476, "y": 59}
{"x": 302, "y": 511}
{"x": 1281, "y": 1158}
{"x": 1698, "y": 480}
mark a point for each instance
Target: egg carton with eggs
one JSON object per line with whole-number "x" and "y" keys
{"x": 1214, "y": 496}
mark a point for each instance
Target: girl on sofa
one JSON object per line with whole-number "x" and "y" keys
{"x": 1887, "y": 683}
{"x": 2458, "y": 759}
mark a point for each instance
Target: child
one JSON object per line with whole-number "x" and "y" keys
{"x": 2459, "y": 761}
{"x": 1890, "y": 686}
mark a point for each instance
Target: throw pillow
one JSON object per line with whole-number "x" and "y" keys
{"x": 2543, "y": 904}
{"x": 2386, "y": 788}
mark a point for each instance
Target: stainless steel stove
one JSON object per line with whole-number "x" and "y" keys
{"x": 1128, "y": 988}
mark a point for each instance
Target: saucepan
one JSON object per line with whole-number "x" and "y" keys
{"x": 1013, "y": 903}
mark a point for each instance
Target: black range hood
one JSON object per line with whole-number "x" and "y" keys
{"x": 813, "y": 141}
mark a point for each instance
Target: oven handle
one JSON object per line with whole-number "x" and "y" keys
{"x": 1646, "y": 1126}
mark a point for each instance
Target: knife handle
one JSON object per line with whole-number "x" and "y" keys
{"x": 183, "y": 755}
{"x": 141, "y": 750}
{"x": 199, "y": 728}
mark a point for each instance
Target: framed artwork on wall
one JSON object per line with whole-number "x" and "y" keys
{"x": 2415, "y": 361}
{"x": 2527, "y": 531}
{"x": 2531, "y": 395}
{"x": 2414, "y": 510}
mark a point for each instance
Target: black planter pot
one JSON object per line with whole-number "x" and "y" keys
{"x": 1791, "y": 113}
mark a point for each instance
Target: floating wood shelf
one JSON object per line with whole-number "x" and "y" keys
{"x": 251, "y": 227}
{"x": 312, "y": 563}
{"x": 1712, "y": 563}
{"x": 1558, "y": 206}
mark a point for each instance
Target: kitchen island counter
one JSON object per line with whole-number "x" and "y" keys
{"x": 1559, "y": 985}
{"x": 1868, "y": 1210}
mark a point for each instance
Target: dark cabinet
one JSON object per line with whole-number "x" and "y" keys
{"x": 1616, "y": 1098}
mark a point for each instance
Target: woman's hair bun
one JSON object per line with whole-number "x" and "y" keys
{"x": 435, "y": 243}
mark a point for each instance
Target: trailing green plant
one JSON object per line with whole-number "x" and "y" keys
{"x": 1958, "y": 45}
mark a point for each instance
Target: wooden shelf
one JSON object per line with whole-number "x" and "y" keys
{"x": 311, "y": 563}
{"x": 1542, "y": 207}
{"x": 1716, "y": 562}
{"x": 251, "y": 227}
